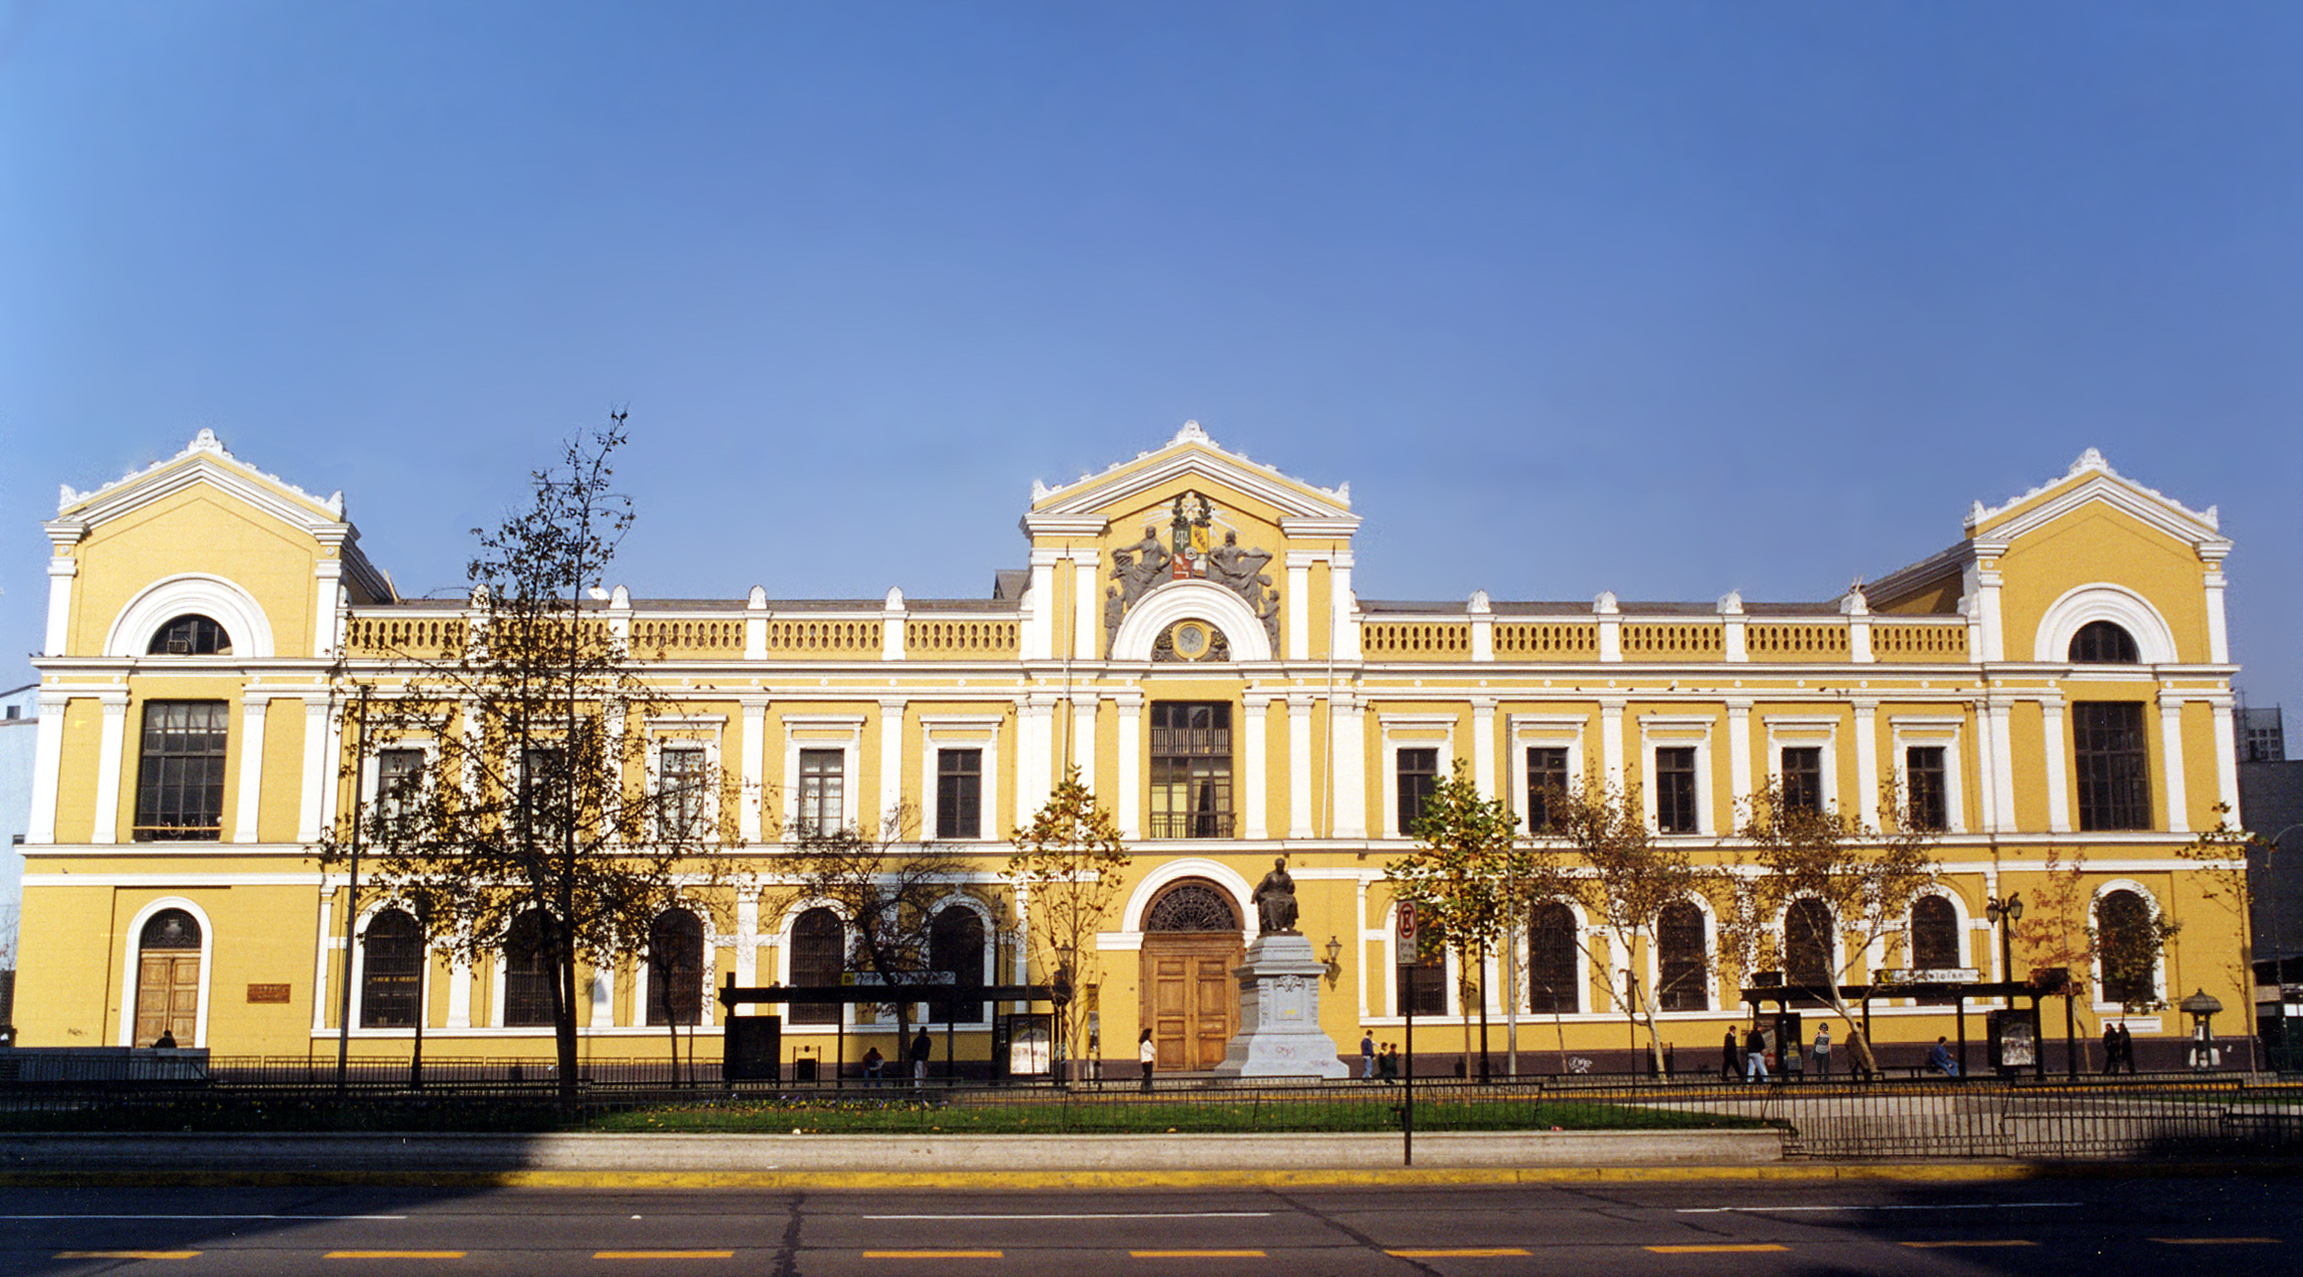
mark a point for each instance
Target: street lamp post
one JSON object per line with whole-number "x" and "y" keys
{"x": 2004, "y": 913}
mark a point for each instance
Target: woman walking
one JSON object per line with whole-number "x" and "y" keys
{"x": 1148, "y": 1055}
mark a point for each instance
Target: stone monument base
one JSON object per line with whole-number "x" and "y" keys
{"x": 1279, "y": 1032}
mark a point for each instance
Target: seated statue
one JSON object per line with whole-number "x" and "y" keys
{"x": 1275, "y": 900}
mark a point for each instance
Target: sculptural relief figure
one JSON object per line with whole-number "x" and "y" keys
{"x": 1275, "y": 900}
{"x": 1139, "y": 567}
{"x": 1241, "y": 570}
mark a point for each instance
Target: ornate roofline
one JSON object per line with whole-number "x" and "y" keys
{"x": 2092, "y": 460}
{"x": 1190, "y": 434}
{"x": 204, "y": 443}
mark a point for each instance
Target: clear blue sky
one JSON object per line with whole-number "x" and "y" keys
{"x": 1663, "y": 298}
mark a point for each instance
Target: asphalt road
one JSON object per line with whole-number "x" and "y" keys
{"x": 2224, "y": 1226}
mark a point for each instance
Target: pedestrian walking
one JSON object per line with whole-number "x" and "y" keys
{"x": 1755, "y": 1056}
{"x": 2110, "y": 1048}
{"x": 1367, "y": 1056}
{"x": 2126, "y": 1048}
{"x": 1388, "y": 1063}
{"x": 1731, "y": 1058}
{"x": 1822, "y": 1052}
{"x": 1148, "y": 1055}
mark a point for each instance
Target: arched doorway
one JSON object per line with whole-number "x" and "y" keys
{"x": 168, "y": 979}
{"x": 1190, "y": 999}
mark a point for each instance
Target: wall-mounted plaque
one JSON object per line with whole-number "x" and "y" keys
{"x": 268, "y": 993}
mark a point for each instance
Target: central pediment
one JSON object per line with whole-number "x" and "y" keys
{"x": 1193, "y": 460}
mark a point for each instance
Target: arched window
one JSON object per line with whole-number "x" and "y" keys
{"x": 676, "y": 968}
{"x": 819, "y": 956}
{"x": 391, "y": 971}
{"x": 1935, "y": 935}
{"x": 1192, "y": 906}
{"x": 168, "y": 978}
{"x": 2104, "y": 643}
{"x": 528, "y": 972}
{"x": 1551, "y": 982}
{"x": 2127, "y": 944}
{"x": 190, "y": 635}
{"x": 1682, "y": 955}
{"x": 956, "y": 946}
{"x": 1807, "y": 947}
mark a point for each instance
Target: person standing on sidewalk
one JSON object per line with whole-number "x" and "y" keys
{"x": 1367, "y": 1056}
{"x": 1823, "y": 1050}
{"x": 1755, "y": 1056}
{"x": 1148, "y": 1055}
{"x": 923, "y": 1046}
{"x": 1731, "y": 1058}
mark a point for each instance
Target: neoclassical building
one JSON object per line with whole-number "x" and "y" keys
{"x": 1189, "y": 634}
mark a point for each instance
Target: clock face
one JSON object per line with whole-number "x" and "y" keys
{"x": 1191, "y": 640}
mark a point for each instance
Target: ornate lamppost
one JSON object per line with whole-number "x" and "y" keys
{"x": 2004, "y": 913}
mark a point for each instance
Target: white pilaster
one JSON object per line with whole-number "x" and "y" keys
{"x": 1867, "y": 762}
{"x": 252, "y": 710}
{"x": 1482, "y": 627}
{"x": 61, "y": 570}
{"x": 756, "y": 625}
{"x": 1035, "y": 753}
{"x": 459, "y": 993}
{"x": 1611, "y": 742}
{"x": 1256, "y": 768}
{"x": 108, "y": 768}
{"x": 2218, "y": 630}
{"x": 2000, "y": 737}
{"x": 1298, "y": 621}
{"x": 1609, "y": 619}
{"x": 47, "y": 764}
{"x": 1129, "y": 711}
{"x": 1733, "y": 638}
{"x": 603, "y": 1000}
{"x": 1083, "y": 739}
{"x": 2057, "y": 769}
{"x": 1739, "y": 751}
{"x": 1483, "y": 745}
{"x": 752, "y": 751}
{"x": 1038, "y": 638}
{"x": 747, "y": 937}
{"x": 1299, "y": 779}
{"x": 1087, "y": 605}
{"x": 1348, "y": 747}
{"x": 892, "y": 765}
{"x": 327, "y": 580}
{"x": 316, "y": 763}
{"x": 320, "y": 999}
{"x": 1983, "y": 584}
{"x": 1343, "y": 613}
{"x": 892, "y": 617}
{"x": 2171, "y": 745}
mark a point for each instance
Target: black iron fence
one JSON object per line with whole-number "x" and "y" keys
{"x": 2094, "y": 1117}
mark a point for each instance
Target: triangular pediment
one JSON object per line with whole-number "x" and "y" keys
{"x": 1192, "y": 456}
{"x": 2091, "y": 480}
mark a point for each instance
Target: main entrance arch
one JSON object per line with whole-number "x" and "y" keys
{"x": 1190, "y": 1000}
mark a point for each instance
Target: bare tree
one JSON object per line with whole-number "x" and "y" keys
{"x": 530, "y": 831}
{"x": 1068, "y": 864}
{"x": 891, "y": 889}
{"x": 1595, "y": 851}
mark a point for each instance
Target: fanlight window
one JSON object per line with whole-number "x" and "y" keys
{"x": 190, "y": 635}
{"x": 2102, "y": 643}
{"x": 1192, "y": 906}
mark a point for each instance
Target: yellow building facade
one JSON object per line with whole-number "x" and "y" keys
{"x": 2052, "y": 691}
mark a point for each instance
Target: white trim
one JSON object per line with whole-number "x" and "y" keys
{"x": 2103, "y": 601}
{"x": 1215, "y": 871}
{"x": 1931, "y": 733}
{"x": 2095, "y": 961}
{"x": 1411, "y": 731}
{"x": 221, "y": 600}
{"x": 842, "y": 732}
{"x": 1542, "y": 731}
{"x": 1191, "y": 600}
{"x": 133, "y": 944}
{"x": 1805, "y": 732}
{"x": 1677, "y": 731}
{"x": 939, "y": 732}
{"x": 1711, "y": 958}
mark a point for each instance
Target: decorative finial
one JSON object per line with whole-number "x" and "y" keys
{"x": 1191, "y": 433}
{"x": 2090, "y": 460}
{"x": 206, "y": 441}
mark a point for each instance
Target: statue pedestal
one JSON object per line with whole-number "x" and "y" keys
{"x": 1279, "y": 1032}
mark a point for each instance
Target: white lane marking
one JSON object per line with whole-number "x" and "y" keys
{"x": 1778, "y": 1210}
{"x": 1201, "y": 1214}
{"x": 203, "y": 1217}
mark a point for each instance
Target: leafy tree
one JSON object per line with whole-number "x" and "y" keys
{"x": 1462, "y": 877}
{"x": 890, "y": 889}
{"x": 1596, "y": 852}
{"x": 2220, "y": 872}
{"x": 1864, "y": 881}
{"x": 1067, "y": 866}
{"x": 532, "y": 816}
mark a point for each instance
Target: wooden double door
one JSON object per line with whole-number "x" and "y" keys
{"x": 1190, "y": 997}
{"x": 168, "y": 996}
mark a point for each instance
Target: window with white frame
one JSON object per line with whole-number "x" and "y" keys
{"x": 822, "y": 800}
{"x": 959, "y": 793}
{"x": 1547, "y": 778}
{"x": 1417, "y": 772}
{"x": 1802, "y": 767}
{"x": 399, "y": 785}
{"x": 1676, "y": 794}
{"x": 683, "y": 791}
{"x": 1926, "y": 799}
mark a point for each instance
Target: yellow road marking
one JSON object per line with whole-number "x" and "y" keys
{"x": 393, "y": 1254}
{"x": 126, "y": 1254}
{"x": 1943, "y": 1245}
{"x": 2217, "y": 1241}
{"x": 934, "y": 1254}
{"x": 663, "y": 1254}
{"x": 1488, "y": 1252}
{"x": 1715, "y": 1250}
{"x": 1198, "y": 1254}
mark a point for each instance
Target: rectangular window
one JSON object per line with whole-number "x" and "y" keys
{"x": 1929, "y": 802}
{"x": 1418, "y": 778}
{"x": 1675, "y": 790}
{"x": 1191, "y": 769}
{"x": 680, "y": 793}
{"x": 2114, "y": 772}
{"x": 180, "y": 784}
{"x": 1546, "y": 779}
{"x": 1803, "y": 777}
{"x": 399, "y": 781}
{"x": 959, "y": 793}
{"x": 1423, "y": 986}
{"x": 822, "y": 772}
